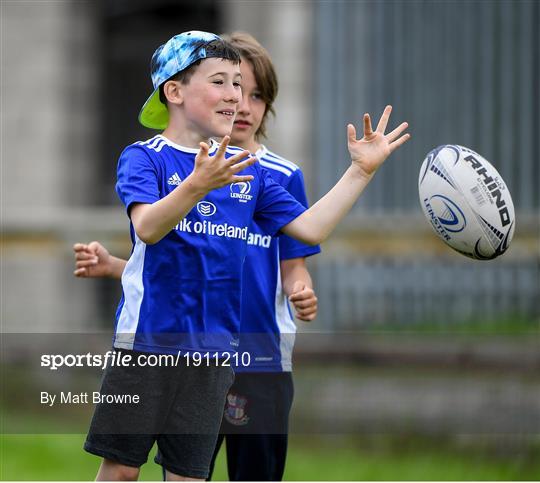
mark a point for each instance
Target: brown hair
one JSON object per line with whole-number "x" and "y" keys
{"x": 263, "y": 69}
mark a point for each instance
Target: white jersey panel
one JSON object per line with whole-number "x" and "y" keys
{"x": 132, "y": 285}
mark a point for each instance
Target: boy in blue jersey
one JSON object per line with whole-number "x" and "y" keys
{"x": 255, "y": 422}
{"x": 182, "y": 282}
{"x": 256, "y": 415}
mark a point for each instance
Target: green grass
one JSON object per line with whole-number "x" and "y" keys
{"x": 353, "y": 459}
{"x": 61, "y": 457}
{"x": 314, "y": 457}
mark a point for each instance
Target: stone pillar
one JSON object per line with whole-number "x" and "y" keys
{"x": 49, "y": 143}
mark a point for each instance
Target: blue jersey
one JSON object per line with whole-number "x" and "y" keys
{"x": 267, "y": 326}
{"x": 183, "y": 293}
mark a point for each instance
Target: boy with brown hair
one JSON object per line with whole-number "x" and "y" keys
{"x": 191, "y": 203}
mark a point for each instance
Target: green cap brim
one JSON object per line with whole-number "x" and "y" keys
{"x": 154, "y": 114}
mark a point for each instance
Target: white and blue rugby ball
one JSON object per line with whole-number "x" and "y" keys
{"x": 466, "y": 202}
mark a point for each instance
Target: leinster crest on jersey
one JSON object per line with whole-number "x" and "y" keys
{"x": 235, "y": 410}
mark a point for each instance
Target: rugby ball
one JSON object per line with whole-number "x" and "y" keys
{"x": 466, "y": 202}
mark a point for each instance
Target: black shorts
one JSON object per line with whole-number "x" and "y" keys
{"x": 255, "y": 426}
{"x": 180, "y": 407}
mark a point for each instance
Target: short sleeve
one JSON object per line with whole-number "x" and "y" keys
{"x": 289, "y": 247}
{"x": 137, "y": 180}
{"x": 276, "y": 207}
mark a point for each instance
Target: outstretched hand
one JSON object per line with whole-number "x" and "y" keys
{"x": 212, "y": 172}
{"x": 92, "y": 260}
{"x": 368, "y": 153}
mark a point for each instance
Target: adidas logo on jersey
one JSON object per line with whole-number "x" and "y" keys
{"x": 174, "y": 180}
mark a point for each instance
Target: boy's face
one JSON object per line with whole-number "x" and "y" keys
{"x": 250, "y": 110}
{"x": 211, "y": 97}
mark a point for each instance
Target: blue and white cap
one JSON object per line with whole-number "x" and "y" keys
{"x": 170, "y": 58}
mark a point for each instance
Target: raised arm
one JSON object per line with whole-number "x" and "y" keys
{"x": 153, "y": 221}
{"x": 94, "y": 261}
{"x": 297, "y": 284}
{"x": 367, "y": 155}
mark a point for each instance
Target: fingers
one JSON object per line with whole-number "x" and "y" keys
{"x": 204, "y": 149}
{"x": 307, "y": 317}
{"x": 79, "y": 246}
{"x": 236, "y": 168}
{"x": 305, "y": 304}
{"x": 238, "y": 157}
{"x": 85, "y": 255}
{"x": 80, "y": 272}
{"x": 223, "y": 146}
{"x": 302, "y": 294}
{"x": 392, "y": 136}
{"x": 238, "y": 179}
{"x": 95, "y": 246}
{"x": 351, "y": 133}
{"x": 368, "y": 130}
{"x": 86, "y": 263}
{"x": 402, "y": 140}
{"x": 383, "y": 122}
{"x": 84, "y": 258}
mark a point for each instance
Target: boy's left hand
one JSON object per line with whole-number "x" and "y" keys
{"x": 368, "y": 153}
{"x": 304, "y": 301}
{"x": 92, "y": 260}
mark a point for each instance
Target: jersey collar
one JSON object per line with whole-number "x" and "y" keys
{"x": 213, "y": 146}
{"x": 261, "y": 151}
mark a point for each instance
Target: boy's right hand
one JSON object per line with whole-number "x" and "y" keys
{"x": 92, "y": 260}
{"x": 212, "y": 172}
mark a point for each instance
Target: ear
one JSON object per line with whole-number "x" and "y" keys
{"x": 173, "y": 92}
